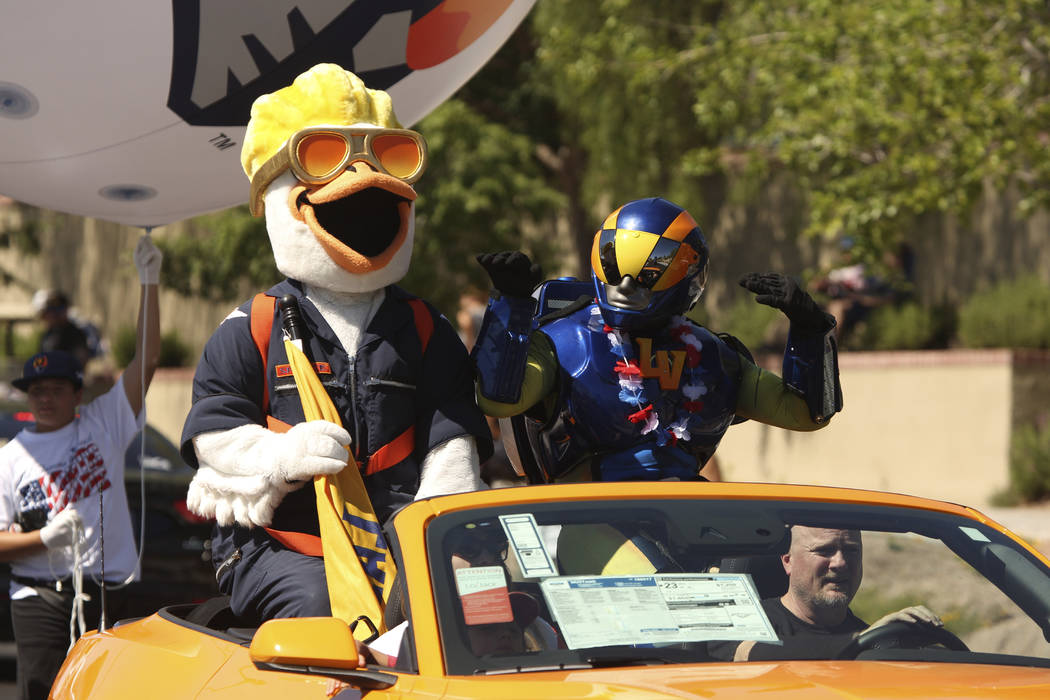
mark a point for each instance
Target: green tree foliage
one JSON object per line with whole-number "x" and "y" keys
{"x": 876, "y": 113}
{"x": 625, "y": 93}
{"x": 24, "y": 237}
{"x": 514, "y": 90}
{"x": 759, "y": 327}
{"x": 483, "y": 187}
{"x": 908, "y": 326}
{"x": 880, "y": 111}
{"x": 1014, "y": 314}
{"x": 1029, "y": 465}
{"x": 174, "y": 352}
{"x": 221, "y": 254}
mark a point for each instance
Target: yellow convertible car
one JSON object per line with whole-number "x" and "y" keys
{"x": 651, "y": 590}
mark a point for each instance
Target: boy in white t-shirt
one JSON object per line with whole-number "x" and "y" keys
{"x": 59, "y": 479}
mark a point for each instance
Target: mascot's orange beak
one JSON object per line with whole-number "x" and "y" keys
{"x": 360, "y": 218}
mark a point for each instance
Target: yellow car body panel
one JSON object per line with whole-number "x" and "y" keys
{"x": 239, "y": 678}
{"x": 833, "y": 680}
{"x": 167, "y": 659}
{"x": 157, "y": 676}
{"x": 157, "y": 657}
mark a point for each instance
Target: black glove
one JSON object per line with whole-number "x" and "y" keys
{"x": 784, "y": 293}
{"x": 512, "y": 272}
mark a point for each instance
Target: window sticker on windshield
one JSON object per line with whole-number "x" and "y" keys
{"x": 524, "y": 537}
{"x": 483, "y": 594}
{"x": 974, "y": 534}
{"x": 663, "y": 608}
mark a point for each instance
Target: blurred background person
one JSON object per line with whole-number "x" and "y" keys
{"x": 61, "y": 332}
{"x": 855, "y": 289}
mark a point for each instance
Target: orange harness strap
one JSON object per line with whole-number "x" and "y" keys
{"x": 393, "y": 452}
{"x": 310, "y": 545}
{"x": 396, "y": 450}
{"x": 262, "y": 323}
{"x": 424, "y": 322}
{"x": 401, "y": 447}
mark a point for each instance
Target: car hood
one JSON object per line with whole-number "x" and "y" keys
{"x": 796, "y": 679}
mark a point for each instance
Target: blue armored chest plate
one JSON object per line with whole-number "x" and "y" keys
{"x": 668, "y": 396}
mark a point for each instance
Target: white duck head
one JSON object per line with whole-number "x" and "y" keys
{"x": 332, "y": 169}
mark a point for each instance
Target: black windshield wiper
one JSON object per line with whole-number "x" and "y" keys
{"x": 594, "y": 661}
{"x": 628, "y": 660}
{"x": 530, "y": 669}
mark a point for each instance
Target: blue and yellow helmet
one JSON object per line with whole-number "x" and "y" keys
{"x": 649, "y": 262}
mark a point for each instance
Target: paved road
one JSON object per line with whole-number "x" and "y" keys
{"x": 7, "y": 680}
{"x": 1030, "y": 523}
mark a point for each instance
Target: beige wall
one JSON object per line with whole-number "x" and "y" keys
{"x": 933, "y": 424}
{"x": 168, "y": 401}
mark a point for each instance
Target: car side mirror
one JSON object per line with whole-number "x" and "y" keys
{"x": 304, "y": 641}
{"x": 313, "y": 645}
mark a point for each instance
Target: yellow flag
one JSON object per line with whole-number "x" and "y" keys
{"x": 357, "y": 563}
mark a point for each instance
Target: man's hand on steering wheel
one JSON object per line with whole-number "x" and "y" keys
{"x": 915, "y": 613}
{"x": 913, "y": 627}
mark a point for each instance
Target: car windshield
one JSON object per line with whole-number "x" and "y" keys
{"x": 585, "y": 584}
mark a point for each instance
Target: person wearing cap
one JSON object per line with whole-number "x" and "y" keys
{"x": 60, "y": 332}
{"x": 60, "y": 481}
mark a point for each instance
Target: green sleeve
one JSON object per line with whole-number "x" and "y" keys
{"x": 764, "y": 397}
{"x": 541, "y": 372}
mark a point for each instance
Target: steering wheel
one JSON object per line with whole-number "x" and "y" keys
{"x": 907, "y": 635}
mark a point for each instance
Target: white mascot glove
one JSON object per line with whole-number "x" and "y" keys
{"x": 61, "y": 530}
{"x": 245, "y": 472}
{"x": 147, "y": 260}
{"x": 307, "y": 450}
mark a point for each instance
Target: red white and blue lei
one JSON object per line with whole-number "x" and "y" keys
{"x": 632, "y": 389}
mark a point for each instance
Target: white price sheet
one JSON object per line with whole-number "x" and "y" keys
{"x": 525, "y": 540}
{"x": 662, "y": 608}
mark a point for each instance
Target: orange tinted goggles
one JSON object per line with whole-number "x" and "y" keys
{"x": 318, "y": 154}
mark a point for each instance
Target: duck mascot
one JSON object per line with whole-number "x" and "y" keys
{"x": 333, "y": 172}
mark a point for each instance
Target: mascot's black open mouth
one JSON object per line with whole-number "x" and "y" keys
{"x": 366, "y": 221}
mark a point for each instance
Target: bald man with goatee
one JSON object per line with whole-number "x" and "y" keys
{"x": 813, "y": 618}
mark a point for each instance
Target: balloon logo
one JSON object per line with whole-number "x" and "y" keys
{"x": 134, "y": 112}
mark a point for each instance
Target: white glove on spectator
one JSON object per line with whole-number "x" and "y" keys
{"x": 148, "y": 259}
{"x": 61, "y": 530}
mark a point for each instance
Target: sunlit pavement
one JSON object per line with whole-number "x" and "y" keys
{"x": 1031, "y": 523}
{"x": 8, "y": 691}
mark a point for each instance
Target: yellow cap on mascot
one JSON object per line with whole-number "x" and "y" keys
{"x": 314, "y": 240}
{"x": 325, "y": 94}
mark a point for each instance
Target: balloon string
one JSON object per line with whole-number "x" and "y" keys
{"x": 142, "y": 474}
{"x": 142, "y": 436}
{"x": 77, "y": 626}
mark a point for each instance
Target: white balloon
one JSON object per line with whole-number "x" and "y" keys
{"x": 134, "y": 111}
